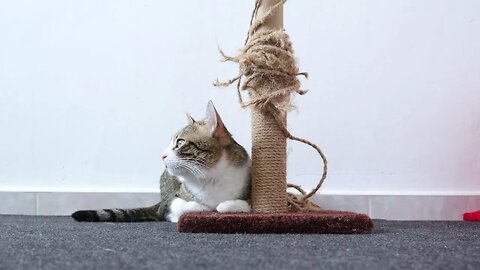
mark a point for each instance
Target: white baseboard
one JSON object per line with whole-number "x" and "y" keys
{"x": 437, "y": 206}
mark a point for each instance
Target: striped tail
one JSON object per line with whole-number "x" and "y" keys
{"x": 153, "y": 213}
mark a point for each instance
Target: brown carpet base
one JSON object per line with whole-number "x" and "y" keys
{"x": 325, "y": 221}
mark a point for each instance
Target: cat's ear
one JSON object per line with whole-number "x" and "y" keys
{"x": 215, "y": 124}
{"x": 189, "y": 118}
{"x": 212, "y": 119}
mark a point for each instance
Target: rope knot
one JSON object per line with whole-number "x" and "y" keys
{"x": 266, "y": 59}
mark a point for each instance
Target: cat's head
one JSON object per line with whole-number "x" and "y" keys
{"x": 199, "y": 146}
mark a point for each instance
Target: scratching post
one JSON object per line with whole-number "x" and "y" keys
{"x": 268, "y": 71}
{"x": 269, "y": 143}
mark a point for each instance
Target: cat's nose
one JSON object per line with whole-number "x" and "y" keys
{"x": 164, "y": 156}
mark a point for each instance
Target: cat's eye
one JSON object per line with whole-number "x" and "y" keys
{"x": 180, "y": 142}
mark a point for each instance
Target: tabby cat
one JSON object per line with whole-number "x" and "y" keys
{"x": 205, "y": 170}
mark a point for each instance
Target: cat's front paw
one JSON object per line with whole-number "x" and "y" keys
{"x": 176, "y": 209}
{"x": 234, "y": 206}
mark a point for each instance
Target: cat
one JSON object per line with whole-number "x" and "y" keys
{"x": 205, "y": 170}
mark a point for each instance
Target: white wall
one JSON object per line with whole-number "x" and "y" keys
{"x": 90, "y": 91}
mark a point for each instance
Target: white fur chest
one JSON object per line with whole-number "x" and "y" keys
{"x": 220, "y": 183}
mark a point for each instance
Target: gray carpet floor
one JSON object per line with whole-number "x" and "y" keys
{"x": 28, "y": 242}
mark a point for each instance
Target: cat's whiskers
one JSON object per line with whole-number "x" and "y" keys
{"x": 194, "y": 170}
{"x": 207, "y": 181}
{"x": 196, "y": 162}
{"x": 190, "y": 170}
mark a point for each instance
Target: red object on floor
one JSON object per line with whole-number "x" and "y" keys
{"x": 472, "y": 216}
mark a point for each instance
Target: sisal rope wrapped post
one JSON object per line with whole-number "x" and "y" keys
{"x": 269, "y": 143}
{"x": 268, "y": 163}
{"x": 269, "y": 70}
